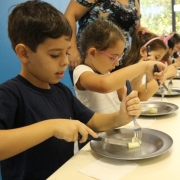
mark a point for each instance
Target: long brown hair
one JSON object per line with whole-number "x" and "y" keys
{"x": 100, "y": 34}
{"x": 139, "y": 39}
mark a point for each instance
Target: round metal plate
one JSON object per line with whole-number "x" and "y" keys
{"x": 154, "y": 143}
{"x": 163, "y": 108}
{"x": 177, "y": 75}
{"x": 175, "y": 92}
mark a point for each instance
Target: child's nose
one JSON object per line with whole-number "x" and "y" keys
{"x": 64, "y": 61}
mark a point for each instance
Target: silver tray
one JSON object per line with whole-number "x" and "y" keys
{"x": 154, "y": 143}
{"x": 177, "y": 75}
{"x": 175, "y": 92}
{"x": 164, "y": 108}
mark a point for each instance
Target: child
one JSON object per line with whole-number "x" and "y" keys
{"x": 168, "y": 57}
{"x": 39, "y": 117}
{"x": 102, "y": 46}
{"x": 176, "y": 39}
{"x": 148, "y": 46}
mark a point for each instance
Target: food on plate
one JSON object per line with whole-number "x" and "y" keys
{"x": 153, "y": 110}
{"x": 135, "y": 142}
{"x": 169, "y": 92}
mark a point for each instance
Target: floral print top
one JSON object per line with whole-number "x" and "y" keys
{"x": 125, "y": 16}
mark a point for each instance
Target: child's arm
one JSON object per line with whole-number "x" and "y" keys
{"x": 137, "y": 82}
{"x": 130, "y": 105}
{"x": 15, "y": 141}
{"x": 171, "y": 72}
{"x": 116, "y": 80}
{"x": 152, "y": 86}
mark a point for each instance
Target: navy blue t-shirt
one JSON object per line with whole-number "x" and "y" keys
{"x": 22, "y": 104}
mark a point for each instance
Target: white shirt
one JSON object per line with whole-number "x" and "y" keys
{"x": 98, "y": 102}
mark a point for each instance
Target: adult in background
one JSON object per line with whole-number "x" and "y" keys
{"x": 124, "y": 13}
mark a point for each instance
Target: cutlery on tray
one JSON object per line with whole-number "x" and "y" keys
{"x": 137, "y": 127}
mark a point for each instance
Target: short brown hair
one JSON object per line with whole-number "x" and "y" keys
{"x": 32, "y": 22}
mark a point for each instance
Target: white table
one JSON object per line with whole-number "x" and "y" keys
{"x": 163, "y": 167}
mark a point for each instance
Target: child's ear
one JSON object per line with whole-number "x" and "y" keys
{"x": 91, "y": 52}
{"x": 143, "y": 51}
{"x": 22, "y": 52}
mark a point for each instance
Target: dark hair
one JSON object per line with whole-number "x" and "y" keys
{"x": 100, "y": 34}
{"x": 166, "y": 56}
{"x": 171, "y": 43}
{"x": 139, "y": 39}
{"x": 32, "y": 22}
{"x": 176, "y": 38}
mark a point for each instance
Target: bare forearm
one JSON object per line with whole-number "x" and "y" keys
{"x": 117, "y": 79}
{"x": 72, "y": 21}
{"x": 152, "y": 87}
{"x": 105, "y": 122}
{"x": 137, "y": 82}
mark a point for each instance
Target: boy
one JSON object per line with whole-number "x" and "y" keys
{"x": 39, "y": 117}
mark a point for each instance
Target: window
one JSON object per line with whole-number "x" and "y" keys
{"x": 157, "y": 15}
{"x": 177, "y": 16}
{"x": 161, "y": 16}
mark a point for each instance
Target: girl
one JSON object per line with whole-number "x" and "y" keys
{"x": 102, "y": 48}
{"x": 125, "y": 13}
{"x": 148, "y": 46}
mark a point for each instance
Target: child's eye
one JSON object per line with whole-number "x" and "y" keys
{"x": 157, "y": 58}
{"x": 68, "y": 54}
{"x": 55, "y": 56}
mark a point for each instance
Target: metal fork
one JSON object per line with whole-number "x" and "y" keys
{"x": 170, "y": 84}
{"x": 137, "y": 127}
{"x": 162, "y": 92}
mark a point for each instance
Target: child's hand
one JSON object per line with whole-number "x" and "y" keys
{"x": 170, "y": 73}
{"x": 178, "y": 61}
{"x": 173, "y": 69}
{"x": 130, "y": 106}
{"x": 69, "y": 130}
{"x": 74, "y": 58}
{"x": 150, "y": 70}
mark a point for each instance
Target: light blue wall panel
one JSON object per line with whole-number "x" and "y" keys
{"x": 9, "y": 63}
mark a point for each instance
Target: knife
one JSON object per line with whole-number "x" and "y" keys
{"x": 107, "y": 140}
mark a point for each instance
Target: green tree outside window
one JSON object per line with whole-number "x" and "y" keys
{"x": 157, "y": 16}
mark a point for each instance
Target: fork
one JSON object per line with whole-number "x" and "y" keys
{"x": 170, "y": 84}
{"x": 162, "y": 92}
{"x": 137, "y": 127}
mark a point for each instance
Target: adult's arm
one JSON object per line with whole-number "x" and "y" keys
{"x": 73, "y": 13}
